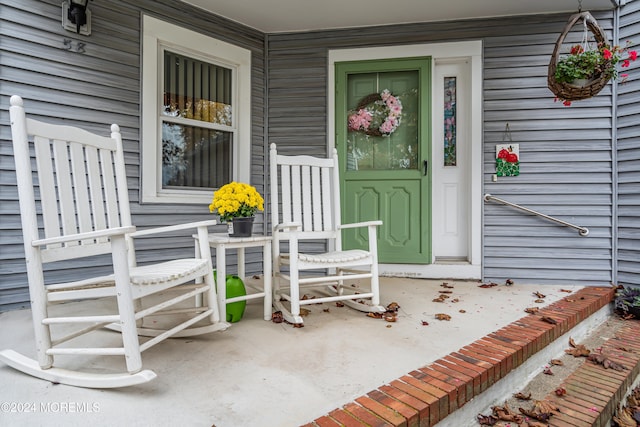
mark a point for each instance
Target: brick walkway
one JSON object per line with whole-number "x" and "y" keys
{"x": 427, "y": 395}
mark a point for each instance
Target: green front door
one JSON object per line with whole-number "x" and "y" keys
{"x": 383, "y": 139}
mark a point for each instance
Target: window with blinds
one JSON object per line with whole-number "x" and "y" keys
{"x": 197, "y": 123}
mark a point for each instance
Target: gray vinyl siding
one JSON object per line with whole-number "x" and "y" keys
{"x": 568, "y": 158}
{"x": 628, "y": 156}
{"x": 566, "y": 168}
{"x": 92, "y": 90}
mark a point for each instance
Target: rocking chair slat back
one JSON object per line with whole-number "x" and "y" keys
{"x": 307, "y": 193}
{"x": 77, "y": 176}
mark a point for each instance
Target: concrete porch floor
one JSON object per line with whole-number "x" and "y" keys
{"x": 259, "y": 373}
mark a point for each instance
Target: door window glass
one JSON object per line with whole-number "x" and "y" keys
{"x": 382, "y": 120}
{"x": 450, "y": 119}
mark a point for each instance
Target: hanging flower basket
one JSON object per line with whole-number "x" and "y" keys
{"x": 573, "y": 91}
{"x": 586, "y": 69}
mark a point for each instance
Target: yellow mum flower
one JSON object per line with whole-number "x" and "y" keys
{"x": 236, "y": 200}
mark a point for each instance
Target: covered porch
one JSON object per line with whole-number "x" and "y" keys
{"x": 271, "y": 374}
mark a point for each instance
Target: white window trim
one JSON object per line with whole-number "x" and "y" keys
{"x": 158, "y": 33}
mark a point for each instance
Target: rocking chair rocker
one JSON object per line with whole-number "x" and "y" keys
{"x": 305, "y": 205}
{"x": 83, "y": 207}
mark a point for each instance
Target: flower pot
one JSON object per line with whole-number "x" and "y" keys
{"x": 240, "y": 227}
{"x": 581, "y": 82}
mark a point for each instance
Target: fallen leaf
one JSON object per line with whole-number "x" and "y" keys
{"x": 339, "y": 304}
{"x": 462, "y": 311}
{"x": 522, "y": 396}
{"x": 577, "y": 350}
{"x": 304, "y": 312}
{"x": 277, "y": 317}
{"x": 542, "y": 410}
{"x": 544, "y": 406}
{"x": 509, "y": 282}
{"x": 624, "y": 418}
{"x": 504, "y": 413}
{"x": 487, "y": 420}
{"x": 566, "y": 290}
{"x": 326, "y": 310}
{"x": 455, "y": 300}
{"x": 446, "y": 285}
{"x": 375, "y": 315}
{"x": 556, "y": 362}
{"x": 549, "y": 320}
{"x": 539, "y": 301}
{"x": 388, "y": 326}
{"x": 532, "y": 310}
{"x": 442, "y": 316}
{"x": 425, "y": 323}
{"x": 601, "y": 359}
{"x": 446, "y": 292}
{"x": 539, "y": 295}
{"x": 547, "y": 371}
{"x": 560, "y": 391}
{"x": 389, "y": 317}
{"x": 532, "y": 423}
{"x": 393, "y": 307}
{"x": 298, "y": 325}
{"x": 488, "y": 285}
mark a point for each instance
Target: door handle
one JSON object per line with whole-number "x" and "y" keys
{"x": 425, "y": 164}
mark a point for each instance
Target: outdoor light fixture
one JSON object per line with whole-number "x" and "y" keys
{"x": 76, "y": 17}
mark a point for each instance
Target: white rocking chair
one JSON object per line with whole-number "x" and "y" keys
{"x": 85, "y": 212}
{"x": 305, "y": 205}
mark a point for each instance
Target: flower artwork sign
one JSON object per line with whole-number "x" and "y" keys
{"x": 377, "y": 114}
{"x": 507, "y": 159}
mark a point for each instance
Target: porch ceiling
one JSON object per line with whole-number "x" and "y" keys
{"x": 273, "y": 16}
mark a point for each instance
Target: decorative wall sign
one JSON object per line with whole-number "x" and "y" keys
{"x": 507, "y": 159}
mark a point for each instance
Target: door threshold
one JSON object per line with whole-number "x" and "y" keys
{"x": 452, "y": 260}
{"x": 459, "y": 270}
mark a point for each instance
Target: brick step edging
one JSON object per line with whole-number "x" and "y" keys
{"x": 429, "y": 394}
{"x": 591, "y": 384}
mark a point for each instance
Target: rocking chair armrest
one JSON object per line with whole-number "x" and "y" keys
{"x": 109, "y": 232}
{"x": 289, "y": 226}
{"x": 177, "y": 227}
{"x": 361, "y": 224}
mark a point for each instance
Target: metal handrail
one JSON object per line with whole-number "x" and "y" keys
{"x": 583, "y": 231}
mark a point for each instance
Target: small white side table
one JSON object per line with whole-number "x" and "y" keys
{"x": 221, "y": 242}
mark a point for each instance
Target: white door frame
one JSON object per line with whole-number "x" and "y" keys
{"x": 471, "y": 51}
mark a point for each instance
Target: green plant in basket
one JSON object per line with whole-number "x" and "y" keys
{"x": 236, "y": 200}
{"x": 585, "y": 64}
